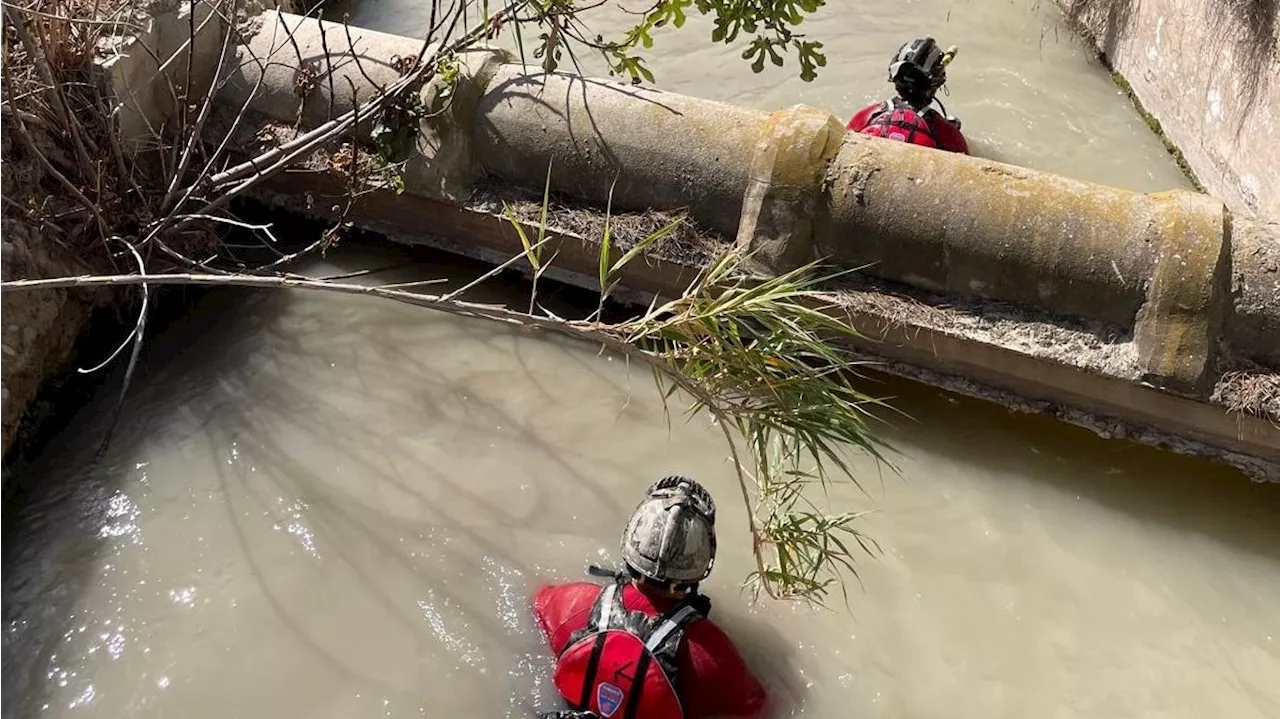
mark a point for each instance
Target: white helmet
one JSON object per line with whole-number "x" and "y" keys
{"x": 671, "y": 537}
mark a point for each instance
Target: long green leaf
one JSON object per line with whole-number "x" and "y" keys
{"x": 524, "y": 238}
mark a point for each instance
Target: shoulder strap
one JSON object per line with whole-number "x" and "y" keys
{"x": 671, "y": 627}
{"x": 608, "y": 608}
{"x": 667, "y": 631}
{"x": 607, "y": 612}
{"x": 885, "y": 108}
{"x": 661, "y": 635}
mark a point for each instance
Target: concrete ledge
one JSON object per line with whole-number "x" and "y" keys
{"x": 1114, "y": 405}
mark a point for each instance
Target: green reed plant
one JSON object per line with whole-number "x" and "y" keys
{"x": 763, "y": 357}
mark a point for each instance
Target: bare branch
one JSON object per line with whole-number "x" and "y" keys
{"x": 139, "y": 332}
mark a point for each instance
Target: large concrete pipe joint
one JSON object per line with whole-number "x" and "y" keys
{"x": 948, "y": 223}
{"x": 1254, "y": 327}
{"x": 785, "y": 187}
{"x": 444, "y": 164}
{"x": 653, "y": 149}
{"x": 1178, "y": 329}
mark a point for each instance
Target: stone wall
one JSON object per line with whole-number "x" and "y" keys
{"x": 40, "y": 328}
{"x": 1209, "y": 72}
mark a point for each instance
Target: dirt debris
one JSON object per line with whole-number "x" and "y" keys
{"x": 686, "y": 243}
{"x": 1095, "y": 346}
{"x": 1253, "y": 391}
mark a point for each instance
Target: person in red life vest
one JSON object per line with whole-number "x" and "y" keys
{"x": 641, "y": 646}
{"x": 917, "y": 72}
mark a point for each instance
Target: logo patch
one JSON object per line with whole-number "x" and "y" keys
{"x": 608, "y": 698}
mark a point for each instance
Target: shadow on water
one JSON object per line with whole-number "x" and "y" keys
{"x": 389, "y": 464}
{"x": 1182, "y": 493}
{"x": 56, "y": 541}
{"x": 53, "y": 540}
{"x": 61, "y": 494}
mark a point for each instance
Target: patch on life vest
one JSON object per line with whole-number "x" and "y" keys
{"x": 900, "y": 137}
{"x": 608, "y": 698}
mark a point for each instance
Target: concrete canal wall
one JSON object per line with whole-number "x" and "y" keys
{"x": 1209, "y": 72}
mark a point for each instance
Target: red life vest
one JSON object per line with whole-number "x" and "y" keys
{"x": 623, "y": 664}
{"x": 899, "y": 121}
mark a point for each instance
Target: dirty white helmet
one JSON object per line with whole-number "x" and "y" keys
{"x": 671, "y": 537}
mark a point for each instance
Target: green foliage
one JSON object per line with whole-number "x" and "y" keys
{"x": 396, "y": 126}
{"x": 766, "y": 27}
{"x": 398, "y": 122}
{"x": 764, "y": 358}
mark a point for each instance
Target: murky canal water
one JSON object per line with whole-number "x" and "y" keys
{"x": 326, "y": 506}
{"x": 333, "y": 507}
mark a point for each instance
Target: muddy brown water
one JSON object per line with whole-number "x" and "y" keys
{"x": 327, "y": 506}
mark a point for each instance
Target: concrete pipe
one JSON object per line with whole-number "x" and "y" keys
{"x": 652, "y": 149}
{"x": 794, "y": 185}
{"x": 975, "y": 227}
{"x": 1254, "y": 327}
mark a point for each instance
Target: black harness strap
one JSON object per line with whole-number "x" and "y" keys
{"x": 633, "y": 701}
{"x": 607, "y": 609}
{"x": 593, "y": 666}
